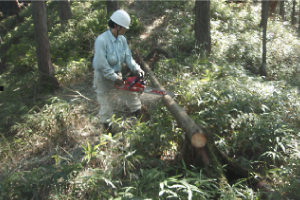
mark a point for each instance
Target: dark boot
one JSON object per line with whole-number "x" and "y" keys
{"x": 138, "y": 113}
{"x": 107, "y": 127}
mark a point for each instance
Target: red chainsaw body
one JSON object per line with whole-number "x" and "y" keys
{"x": 135, "y": 84}
{"x": 139, "y": 86}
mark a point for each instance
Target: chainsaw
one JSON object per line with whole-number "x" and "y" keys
{"x": 137, "y": 84}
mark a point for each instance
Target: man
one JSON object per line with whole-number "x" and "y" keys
{"x": 111, "y": 51}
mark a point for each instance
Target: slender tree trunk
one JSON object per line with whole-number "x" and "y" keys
{"x": 43, "y": 48}
{"x": 282, "y": 10}
{"x": 299, "y": 21}
{"x": 111, "y": 6}
{"x": 294, "y": 20}
{"x": 264, "y": 23}
{"x": 273, "y": 5}
{"x": 202, "y": 26}
{"x": 64, "y": 10}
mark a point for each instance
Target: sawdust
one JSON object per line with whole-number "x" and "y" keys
{"x": 87, "y": 96}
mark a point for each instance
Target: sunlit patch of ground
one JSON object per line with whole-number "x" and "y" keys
{"x": 149, "y": 29}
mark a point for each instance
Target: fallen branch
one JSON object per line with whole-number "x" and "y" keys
{"x": 79, "y": 94}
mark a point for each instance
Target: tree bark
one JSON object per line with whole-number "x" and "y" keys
{"x": 45, "y": 66}
{"x": 193, "y": 131}
{"x": 294, "y": 20}
{"x": 199, "y": 148}
{"x": 299, "y": 21}
{"x": 64, "y": 10}
{"x": 194, "y": 150}
{"x": 264, "y": 21}
{"x": 202, "y": 26}
{"x": 273, "y": 5}
{"x": 282, "y": 10}
{"x": 215, "y": 164}
{"x": 111, "y": 6}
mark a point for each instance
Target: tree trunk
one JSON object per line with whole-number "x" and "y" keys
{"x": 111, "y": 6}
{"x": 194, "y": 132}
{"x": 45, "y": 66}
{"x": 202, "y": 26}
{"x": 199, "y": 148}
{"x": 264, "y": 21}
{"x": 64, "y": 10}
{"x": 299, "y": 21}
{"x": 294, "y": 20}
{"x": 272, "y": 7}
{"x": 282, "y": 10}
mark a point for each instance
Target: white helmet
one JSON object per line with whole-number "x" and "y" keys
{"x": 121, "y": 18}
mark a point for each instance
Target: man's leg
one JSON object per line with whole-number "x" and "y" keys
{"x": 106, "y": 107}
{"x": 133, "y": 102}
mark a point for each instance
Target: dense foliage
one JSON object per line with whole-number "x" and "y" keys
{"x": 53, "y": 147}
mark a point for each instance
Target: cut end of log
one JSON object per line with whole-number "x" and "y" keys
{"x": 198, "y": 140}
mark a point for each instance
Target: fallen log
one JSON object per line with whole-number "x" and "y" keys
{"x": 194, "y": 149}
{"x": 193, "y": 131}
{"x": 199, "y": 144}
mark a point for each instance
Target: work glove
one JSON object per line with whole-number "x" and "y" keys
{"x": 138, "y": 72}
{"x": 119, "y": 81}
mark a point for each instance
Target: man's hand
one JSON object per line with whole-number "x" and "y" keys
{"x": 119, "y": 82}
{"x": 138, "y": 72}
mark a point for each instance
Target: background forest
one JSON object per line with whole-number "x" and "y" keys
{"x": 53, "y": 147}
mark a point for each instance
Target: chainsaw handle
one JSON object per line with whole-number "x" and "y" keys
{"x": 135, "y": 81}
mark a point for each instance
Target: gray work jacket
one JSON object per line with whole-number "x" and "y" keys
{"x": 110, "y": 54}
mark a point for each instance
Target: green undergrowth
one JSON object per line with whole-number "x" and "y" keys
{"x": 53, "y": 147}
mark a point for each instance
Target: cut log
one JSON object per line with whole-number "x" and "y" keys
{"x": 193, "y": 131}
{"x": 199, "y": 146}
{"x": 194, "y": 150}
